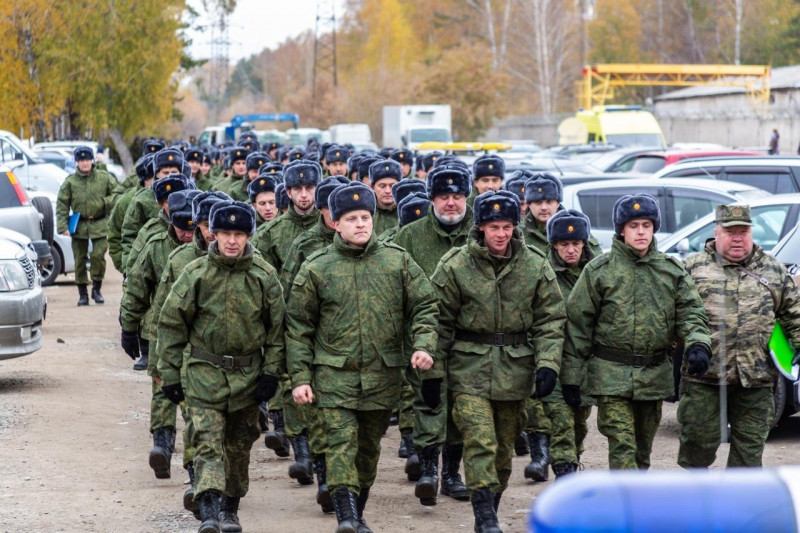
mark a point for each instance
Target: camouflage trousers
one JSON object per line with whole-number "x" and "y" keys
{"x": 354, "y": 446}
{"x": 630, "y": 427}
{"x": 164, "y": 413}
{"x": 538, "y": 421}
{"x": 432, "y": 427}
{"x": 317, "y": 442}
{"x": 569, "y": 429}
{"x": 295, "y": 416}
{"x": 405, "y": 418}
{"x": 222, "y": 442}
{"x": 489, "y": 429}
{"x": 750, "y": 413}
{"x": 80, "y": 249}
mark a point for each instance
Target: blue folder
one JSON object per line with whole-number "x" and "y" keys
{"x": 73, "y": 223}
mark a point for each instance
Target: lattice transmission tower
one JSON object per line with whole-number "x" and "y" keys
{"x": 219, "y": 61}
{"x": 324, "y": 43}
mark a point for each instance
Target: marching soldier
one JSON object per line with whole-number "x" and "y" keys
{"x": 233, "y": 293}
{"x": 262, "y": 195}
{"x": 488, "y": 172}
{"x": 282, "y": 200}
{"x": 745, "y": 291}
{"x": 501, "y": 324}
{"x": 349, "y": 363}
{"x": 383, "y": 175}
{"x": 87, "y": 193}
{"x": 195, "y": 157}
{"x": 400, "y": 190}
{"x": 406, "y": 159}
{"x": 336, "y": 158}
{"x": 235, "y": 185}
{"x": 627, "y": 309}
{"x": 144, "y": 171}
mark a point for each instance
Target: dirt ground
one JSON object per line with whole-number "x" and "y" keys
{"x": 74, "y": 443}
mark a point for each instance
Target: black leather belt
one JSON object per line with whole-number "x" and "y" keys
{"x": 625, "y": 357}
{"x": 493, "y": 339}
{"x": 227, "y": 362}
{"x": 92, "y": 219}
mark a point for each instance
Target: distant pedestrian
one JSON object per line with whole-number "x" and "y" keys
{"x": 774, "y": 148}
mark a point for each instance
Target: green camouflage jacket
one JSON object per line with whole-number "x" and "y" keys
{"x": 345, "y": 321}
{"x": 741, "y": 310}
{"x": 203, "y": 183}
{"x": 154, "y": 226}
{"x": 535, "y": 234}
{"x": 142, "y": 208}
{"x": 115, "y": 226}
{"x": 89, "y": 195}
{"x": 274, "y": 238}
{"x": 234, "y": 186}
{"x": 480, "y": 294}
{"x": 131, "y": 181}
{"x": 319, "y": 236}
{"x": 635, "y": 305}
{"x": 223, "y": 306}
{"x": 383, "y": 220}
{"x": 427, "y": 242}
{"x": 390, "y": 234}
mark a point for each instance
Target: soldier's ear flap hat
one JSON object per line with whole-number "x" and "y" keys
{"x": 168, "y": 157}
{"x": 336, "y": 154}
{"x": 412, "y": 207}
{"x": 167, "y": 185}
{"x": 326, "y": 187}
{"x": 231, "y": 215}
{"x": 271, "y": 167}
{"x": 363, "y": 166}
{"x": 281, "y": 197}
{"x": 351, "y": 197}
{"x": 544, "y": 186}
{"x": 488, "y": 165}
{"x": 239, "y": 153}
{"x": 180, "y": 209}
{"x": 300, "y": 172}
{"x": 428, "y": 160}
{"x": 494, "y": 206}
{"x": 296, "y": 153}
{"x": 186, "y": 171}
{"x": 568, "y": 225}
{"x": 194, "y": 154}
{"x": 403, "y": 156}
{"x": 82, "y": 153}
{"x": 144, "y": 168}
{"x": 448, "y": 179}
{"x": 201, "y": 204}
{"x": 516, "y": 186}
{"x": 385, "y": 169}
{"x": 152, "y": 146}
{"x": 406, "y": 187}
{"x": 263, "y": 183}
{"x": 256, "y": 160}
{"x": 632, "y": 206}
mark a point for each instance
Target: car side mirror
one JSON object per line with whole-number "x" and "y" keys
{"x": 18, "y": 156}
{"x": 683, "y": 246}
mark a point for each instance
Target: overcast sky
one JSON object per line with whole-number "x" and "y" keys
{"x": 259, "y": 24}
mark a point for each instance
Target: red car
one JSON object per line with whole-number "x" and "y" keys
{"x": 651, "y": 162}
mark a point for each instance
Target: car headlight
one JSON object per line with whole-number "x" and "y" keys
{"x": 12, "y": 276}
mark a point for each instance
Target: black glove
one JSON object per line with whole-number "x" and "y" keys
{"x": 431, "y": 392}
{"x": 266, "y": 389}
{"x": 698, "y": 357}
{"x": 174, "y": 393}
{"x": 572, "y": 395}
{"x": 545, "y": 382}
{"x": 130, "y": 343}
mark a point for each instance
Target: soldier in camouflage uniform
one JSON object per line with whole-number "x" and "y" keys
{"x": 228, "y": 308}
{"x": 136, "y": 318}
{"x": 427, "y": 240}
{"x": 627, "y": 309}
{"x": 745, "y": 291}
{"x": 501, "y": 329}
{"x": 86, "y": 192}
{"x": 144, "y": 172}
{"x": 151, "y": 146}
{"x": 406, "y": 159}
{"x": 336, "y": 158}
{"x": 568, "y": 232}
{"x": 194, "y": 157}
{"x": 400, "y": 190}
{"x": 262, "y": 195}
{"x": 235, "y": 185}
{"x": 516, "y": 184}
{"x": 488, "y": 172}
{"x": 349, "y": 362}
{"x": 383, "y": 175}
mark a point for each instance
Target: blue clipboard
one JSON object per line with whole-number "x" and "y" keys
{"x": 73, "y": 223}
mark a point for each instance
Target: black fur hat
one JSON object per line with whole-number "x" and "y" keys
{"x": 247, "y": 136}
{"x": 152, "y": 146}
{"x": 201, "y": 204}
{"x": 336, "y": 153}
{"x": 296, "y": 153}
{"x": 385, "y": 169}
{"x": 517, "y": 186}
{"x": 447, "y": 159}
{"x": 251, "y": 145}
{"x": 301, "y": 172}
{"x": 352, "y": 163}
{"x": 403, "y": 156}
{"x": 281, "y": 197}
{"x": 363, "y": 166}
{"x": 323, "y": 149}
{"x": 568, "y": 225}
{"x": 263, "y": 183}
{"x": 232, "y": 216}
{"x": 633, "y": 206}
{"x": 271, "y": 167}
{"x": 180, "y": 209}
{"x": 544, "y": 186}
{"x": 82, "y": 153}
{"x": 405, "y": 187}
{"x": 448, "y": 179}
{"x": 496, "y": 205}
{"x": 488, "y": 165}
{"x": 386, "y": 152}
{"x": 326, "y": 187}
{"x": 206, "y": 160}
{"x": 413, "y": 207}
{"x": 429, "y": 159}
{"x": 345, "y": 198}
{"x": 186, "y": 172}
{"x": 167, "y": 185}
{"x": 255, "y": 160}
{"x": 238, "y": 154}
{"x": 144, "y": 168}
{"x": 194, "y": 154}
{"x": 168, "y": 157}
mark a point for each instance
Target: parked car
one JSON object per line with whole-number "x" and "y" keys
{"x": 774, "y": 174}
{"x": 652, "y": 162}
{"x": 681, "y": 201}
{"x": 66, "y": 147}
{"x": 618, "y": 160}
{"x": 22, "y": 302}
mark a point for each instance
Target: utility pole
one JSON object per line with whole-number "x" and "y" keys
{"x": 220, "y": 60}
{"x": 324, "y": 44}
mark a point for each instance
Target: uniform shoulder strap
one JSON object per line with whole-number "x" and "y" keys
{"x": 763, "y": 281}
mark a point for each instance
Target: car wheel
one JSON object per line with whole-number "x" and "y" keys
{"x": 51, "y": 270}
{"x": 44, "y": 206}
{"x": 779, "y": 396}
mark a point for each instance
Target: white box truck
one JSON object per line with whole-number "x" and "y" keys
{"x": 350, "y": 133}
{"x": 409, "y": 125}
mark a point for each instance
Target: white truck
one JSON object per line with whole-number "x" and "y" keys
{"x": 409, "y": 125}
{"x": 350, "y": 133}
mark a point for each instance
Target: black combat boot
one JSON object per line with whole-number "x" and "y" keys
{"x": 428, "y": 485}
{"x": 275, "y": 439}
{"x": 96, "y": 296}
{"x": 83, "y": 295}
{"x": 229, "y": 515}
{"x": 402, "y": 451}
{"x": 263, "y": 422}
{"x": 161, "y": 454}
{"x": 563, "y": 469}
{"x": 452, "y": 485}
{"x": 144, "y": 349}
{"x": 412, "y": 459}
{"x": 485, "y": 515}
{"x": 346, "y": 506}
{"x": 209, "y": 502}
{"x": 538, "y": 468}
{"x": 301, "y": 469}
{"x": 361, "y": 503}
{"x": 521, "y": 444}
{"x": 497, "y": 497}
{"x": 323, "y": 495}
{"x": 189, "y": 501}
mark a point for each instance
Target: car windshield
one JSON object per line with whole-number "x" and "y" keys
{"x": 635, "y": 139}
{"x": 789, "y": 252}
{"x": 421, "y": 135}
{"x": 648, "y": 164}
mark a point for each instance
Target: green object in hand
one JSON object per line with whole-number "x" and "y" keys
{"x": 783, "y": 353}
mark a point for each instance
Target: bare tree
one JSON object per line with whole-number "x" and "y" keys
{"x": 497, "y": 37}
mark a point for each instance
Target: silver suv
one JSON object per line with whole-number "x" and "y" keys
{"x": 22, "y": 301}
{"x": 774, "y": 174}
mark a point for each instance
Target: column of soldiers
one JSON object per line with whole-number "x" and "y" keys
{"x": 325, "y": 299}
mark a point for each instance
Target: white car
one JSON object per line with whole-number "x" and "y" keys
{"x": 67, "y": 147}
{"x": 22, "y": 302}
{"x": 774, "y": 174}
